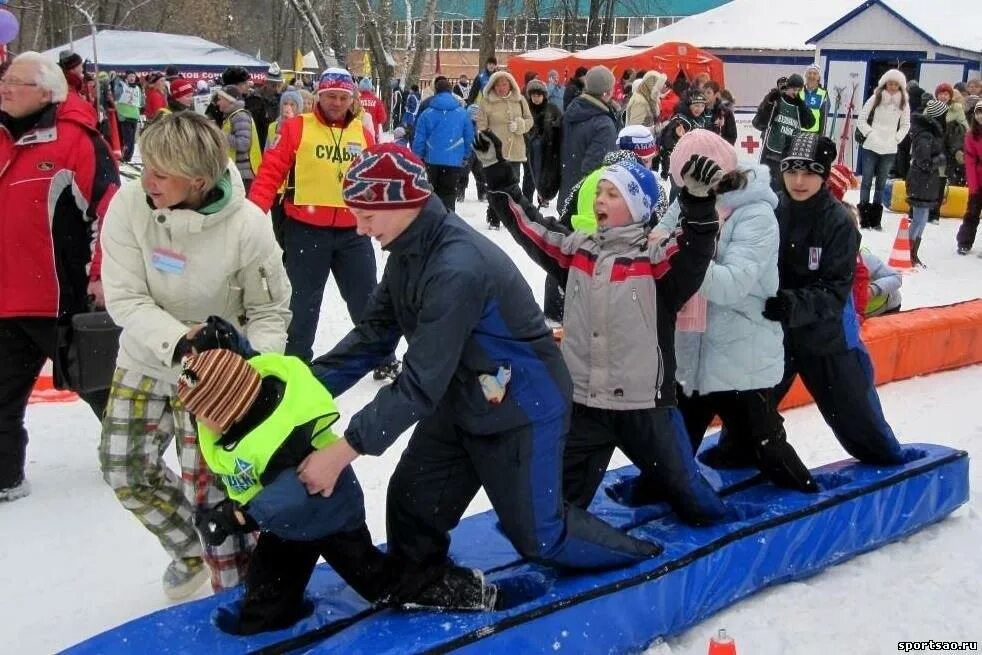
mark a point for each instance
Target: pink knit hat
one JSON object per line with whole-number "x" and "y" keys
{"x": 701, "y": 142}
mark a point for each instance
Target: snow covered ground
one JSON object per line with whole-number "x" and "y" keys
{"x": 74, "y": 563}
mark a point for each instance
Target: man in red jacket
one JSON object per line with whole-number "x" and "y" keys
{"x": 56, "y": 179}
{"x": 311, "y": 155}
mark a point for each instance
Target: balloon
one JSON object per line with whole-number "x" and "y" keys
{"x": 8, "y": 26}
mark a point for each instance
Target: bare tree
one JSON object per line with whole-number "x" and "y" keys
{"x": 421, "y": 39}
{"x": 315, "y": 28}
{"x": 489, "y": 31}
{"x": 593, "y": 24}
{"x": 377, "y": 38}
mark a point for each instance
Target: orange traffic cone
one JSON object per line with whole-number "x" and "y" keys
{"x": 722, "y": 644}
{"x": 44, "y": 389}
{"x": 900, "y": 255}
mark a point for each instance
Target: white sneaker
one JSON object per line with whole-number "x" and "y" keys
{"x": 183, "y": 578}
{"x": 20, "y": 490}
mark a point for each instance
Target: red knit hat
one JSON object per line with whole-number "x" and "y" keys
{"x": 181, "y": 87}
{"x": 218, "y": 385}
{"x": 944, "y": 87}
{"x": 386, "y": 176}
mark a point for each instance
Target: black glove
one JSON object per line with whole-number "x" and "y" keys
{"x": 219, "y": 333}
{"x": 487, "y": 148}
{"x": 218, "y": 523}
{"x": 700, "y": 175}
{"x": 778, "y": 308}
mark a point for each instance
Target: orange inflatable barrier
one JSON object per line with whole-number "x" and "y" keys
{"x": 44, "y": 389}
{"x": 915, "y": 342}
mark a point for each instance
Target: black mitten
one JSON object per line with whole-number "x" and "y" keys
{"x": 778, "y": 308}
{"x": 219, "y": 333}
{"x": 218, "y": 523}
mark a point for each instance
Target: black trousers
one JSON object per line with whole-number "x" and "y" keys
{"x": 757, "y": 430}
{"x": 777, "y": 179}
{"x": 842, "y": 385}
{"x": 516, "y": 168}
{"x": 553, "y": 299}
{"x": 970, "y": 223}
{"x": 127, "y": 134}
{"x": 444, "y": 181}
{"x": 280, "y": 570}
{"x": 655, "y": 441}
{"x": 25, "y": 343}
{"x": 751, "y": 414}
{"x": 444, "y": 466}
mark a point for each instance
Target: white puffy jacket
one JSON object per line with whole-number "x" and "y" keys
{"x": 232, "y": 267}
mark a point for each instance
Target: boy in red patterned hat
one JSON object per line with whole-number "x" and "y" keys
{"x": 483, "y": 381}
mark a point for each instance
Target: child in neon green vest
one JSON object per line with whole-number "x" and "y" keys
{"x": 257, "y": 420}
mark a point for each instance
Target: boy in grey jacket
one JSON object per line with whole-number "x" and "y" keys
{"x": 622, "y": 295}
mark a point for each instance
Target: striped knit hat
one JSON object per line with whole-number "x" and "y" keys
{"x": 218, "y": 385}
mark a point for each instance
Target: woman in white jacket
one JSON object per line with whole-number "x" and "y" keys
{"x": 729, "y": 366}
{"x": 883, "y": 123}
{"x": 179, "y": 246}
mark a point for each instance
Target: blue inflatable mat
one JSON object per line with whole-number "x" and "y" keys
{"x": 775, "y": 536}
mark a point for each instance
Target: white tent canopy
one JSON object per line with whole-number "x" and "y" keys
{"x": 752, "y": 25}
{"x": 788, "y": 26}
{"x": 145, "y": 51}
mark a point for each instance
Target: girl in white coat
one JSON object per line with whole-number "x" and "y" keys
{"x": 883, "y": 123}
{"x": 729, "y": 366}
{"x": 179, "y": 246}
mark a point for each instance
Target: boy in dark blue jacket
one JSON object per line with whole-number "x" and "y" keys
{"x": 482, "y": 379}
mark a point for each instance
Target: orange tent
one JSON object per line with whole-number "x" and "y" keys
{"x": 541, "y": 61}
{"x": 671, "y": 58}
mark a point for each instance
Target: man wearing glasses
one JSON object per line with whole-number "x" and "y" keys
{"x": 56, "y": 180}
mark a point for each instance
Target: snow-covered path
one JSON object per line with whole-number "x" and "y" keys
{"x": 74, "y": 563}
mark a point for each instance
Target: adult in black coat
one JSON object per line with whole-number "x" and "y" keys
{"x": 543, "y": 142}
{"x": 816, "y": 265}
{"x": 590, "y": 128}
{"x": 780, "y": 116}
{"x": 482, "y": 380}
{"x": 723, "y": 122}
{"x": 574, "y": 87}
{"x": 925, "y": 185}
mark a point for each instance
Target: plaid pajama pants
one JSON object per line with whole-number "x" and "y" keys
{"x": 142, "y": 418}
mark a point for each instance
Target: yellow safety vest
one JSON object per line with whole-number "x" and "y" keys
{"x": 323, "y": 157}
{"x": 255, "y": 154}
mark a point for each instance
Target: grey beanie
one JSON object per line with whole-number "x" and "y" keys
{"x": 598, "y": 81}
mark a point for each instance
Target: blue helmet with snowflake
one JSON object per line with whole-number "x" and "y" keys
{"x": 638, "y": 186}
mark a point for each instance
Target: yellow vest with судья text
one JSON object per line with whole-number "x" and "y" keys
{"x": 323, "y": 157}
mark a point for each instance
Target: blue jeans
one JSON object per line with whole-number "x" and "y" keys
{"x": 874, "y": 165}
{"x": 311, "y": 253}
{"x": 918, "y": 220}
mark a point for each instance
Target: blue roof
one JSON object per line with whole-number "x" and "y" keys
{"x": 453, "y": 9}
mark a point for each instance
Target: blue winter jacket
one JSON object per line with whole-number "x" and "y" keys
{"x": 466, "y": 310}
{"x": 740, "y": 349}
{"x": 444, "y": 132}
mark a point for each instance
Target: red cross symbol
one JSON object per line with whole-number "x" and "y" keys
{"x": 750, "y": 144}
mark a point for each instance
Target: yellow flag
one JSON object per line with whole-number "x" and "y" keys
{"x": 298, "y": 61}
{"x": 366, "y": 65}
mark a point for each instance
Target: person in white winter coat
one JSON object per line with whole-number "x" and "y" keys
{"x": 883, "y": 123}
{"x": 179, "y": 246}
{"x": 730, "y": 366}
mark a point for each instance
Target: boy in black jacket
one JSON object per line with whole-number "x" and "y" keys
{"x": 817, "y": 263}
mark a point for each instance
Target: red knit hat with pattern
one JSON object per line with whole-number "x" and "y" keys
{"x": 840, "y": 180}
{"x": 218, "y": 385}
{"x": 181, "y": 88}
{"x": 386, "y": 176}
